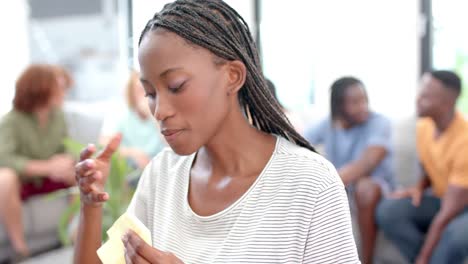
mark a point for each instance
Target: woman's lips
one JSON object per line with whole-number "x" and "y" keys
{"x": 171, "y": 134}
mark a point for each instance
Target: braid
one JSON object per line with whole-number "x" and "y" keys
{"x": 214, "y": 25}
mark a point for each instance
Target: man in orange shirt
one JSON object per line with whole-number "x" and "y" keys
{"x": 432, "y": 226}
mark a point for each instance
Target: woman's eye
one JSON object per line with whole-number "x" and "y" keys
{"x": 150, "y": 95}
{"x": 176, "y": 88}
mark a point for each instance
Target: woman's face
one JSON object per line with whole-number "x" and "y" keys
{"x": 186, "y": 90}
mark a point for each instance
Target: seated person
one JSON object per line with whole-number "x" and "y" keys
{"x": 294, "y": 119}
{"x": 432, "y": 226}
{"x": 358, "y": 142}
{"x": 141, "y": 138}
{"x": 32, "y": 158}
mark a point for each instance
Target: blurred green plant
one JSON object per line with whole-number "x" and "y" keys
{"x": 120, "y": 194}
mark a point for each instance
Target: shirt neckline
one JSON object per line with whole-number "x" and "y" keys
{"x": 213, "y": 217}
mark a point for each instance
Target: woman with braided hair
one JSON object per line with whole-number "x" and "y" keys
{"x": 238, "y": 184}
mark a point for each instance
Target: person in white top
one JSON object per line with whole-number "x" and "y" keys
{"x": 238, "y": 184}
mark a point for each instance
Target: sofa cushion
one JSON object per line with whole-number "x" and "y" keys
{"x": 41, "y": 215}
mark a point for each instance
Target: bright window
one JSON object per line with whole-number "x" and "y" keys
{"x": 450, "y": 41}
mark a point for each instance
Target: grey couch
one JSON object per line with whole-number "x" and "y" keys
{"x": 41, "y": 215}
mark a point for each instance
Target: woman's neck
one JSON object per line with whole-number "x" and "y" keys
{"x": 237, "y": 149}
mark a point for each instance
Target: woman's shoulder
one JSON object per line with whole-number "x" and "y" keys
{"x": 167, "y": 159}
{"x": 289, "y": 150}
{"x": 163, "y": 167}
{"x": 307, "y": 167}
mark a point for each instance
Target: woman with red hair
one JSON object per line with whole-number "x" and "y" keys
{"x": 32, "y": 155}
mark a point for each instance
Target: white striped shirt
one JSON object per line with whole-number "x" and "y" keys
{"x": 295, "y": 212}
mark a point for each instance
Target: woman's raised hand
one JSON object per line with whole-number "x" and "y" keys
{"x": 91, "y": 173}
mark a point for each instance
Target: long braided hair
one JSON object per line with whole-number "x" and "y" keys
{"x": 215, "y": 26}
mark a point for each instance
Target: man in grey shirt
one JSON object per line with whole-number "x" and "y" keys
{"x": 358, "y": 142}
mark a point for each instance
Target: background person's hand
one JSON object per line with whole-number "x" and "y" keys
{"x": 61, "y": 167}
{"x": 414, "y": 193}
{"x": 91, "y": 173}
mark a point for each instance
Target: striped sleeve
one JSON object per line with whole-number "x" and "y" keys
{"x": 139, "y": 204}
{"x": 330, "y": 238}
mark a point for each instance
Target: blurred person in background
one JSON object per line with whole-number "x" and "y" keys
{"x": 432, "y": 226}
{"x": 294, "y": 119}
{"x": 141, "y": 139}
{"x": 358, "y": 142}
{"x": 32, "y": 155}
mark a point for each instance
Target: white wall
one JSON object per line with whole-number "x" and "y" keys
{"x": 450, "y": 43}
{"x": 308, "y": 44}
{"x": 14, "y": 49}
{"x": 91, "y": 46}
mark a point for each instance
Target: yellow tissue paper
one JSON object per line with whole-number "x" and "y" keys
{"x": 112, "y": 252}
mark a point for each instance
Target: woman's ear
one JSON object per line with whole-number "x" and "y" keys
{"x": 236, "y": 76}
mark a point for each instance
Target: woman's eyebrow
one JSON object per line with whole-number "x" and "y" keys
{"x": 164, "y": 73}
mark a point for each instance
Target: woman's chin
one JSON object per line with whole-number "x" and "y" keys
{"x": 183, "y": 150}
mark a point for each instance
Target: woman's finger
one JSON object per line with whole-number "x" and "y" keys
{"x": 141, "y": 248}
{"x": 85, "y": 187}
{"x": 110, "y": 148}
{"x": 131, "y": 256}
{"x": 128, "y": 256}
{"x": 84, "y": 168}
{"x": 131, "y": 249}
{"x": 87, "y": 152}
{"x": 86, "y": 183}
